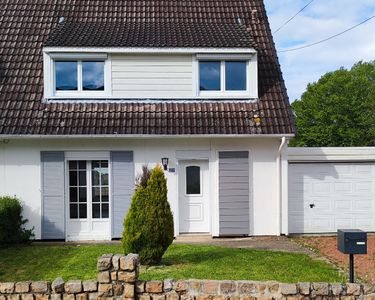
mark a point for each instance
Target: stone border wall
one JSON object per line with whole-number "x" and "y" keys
{"x": 118, "y": 279}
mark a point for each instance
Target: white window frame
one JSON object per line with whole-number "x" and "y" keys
{"x": 50, "y": 76}
{"x": 251, "y": 76}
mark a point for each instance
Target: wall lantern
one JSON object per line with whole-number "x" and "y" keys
{"x": 164, "y": 162}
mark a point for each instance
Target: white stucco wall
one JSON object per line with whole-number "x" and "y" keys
{"x": 20, "y": 171}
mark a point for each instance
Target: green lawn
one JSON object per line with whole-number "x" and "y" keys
{"x": 43, "y": 262}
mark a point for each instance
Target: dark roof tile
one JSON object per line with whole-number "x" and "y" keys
{"x": 25, "y": 26}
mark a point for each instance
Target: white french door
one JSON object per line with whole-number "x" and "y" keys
{"x": 88, "y": 200}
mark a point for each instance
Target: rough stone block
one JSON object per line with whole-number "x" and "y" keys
{"x": 129, "y": 290}
{"x": 104, "y": 277}
{"x": 3, "y": 297}
{"x": 220, "y": 297}
{"x": 246, "y": 287}
{"x": 173, "y": 295}
{"x": 158, "y": 297}
{"x": 181, "y": 286}
{"x": 140, "y": 286}
{"x": 116, "y": 262}
{"x": 144, "y": 297}
{"x": 114, "y": 276}
{"x": 369, "y": 297}
{"x": 186, "y": 297}
{"x": 93, "y": 296}
{"x": 210, "y": 287}
{"x": 304, "y": 288}
{"x": 353, "y": 289}
{"x": 227, "y": 287}
{"x": 104, "y": 262}
{"x": 261, "y": 287}
{"x": 41, "y": 297}
{"x": 81, "y": 296}
{"x": 126, "y": 276}
{"x": 73, "y": 286}
{"x": 22, "y": 287}
{"x": 273, "y": 287}
{"x": 118, "y": 289}
{"x": 194, "y": 287}
{"x": 129, "y": 262}
{"x": 58, "y": 285}
{"x": 167, "y": 285}
{"x": 26, "y": 297}
{"x": 68, "y": 297}
{"x": 368, "y": 289}
{"x": 321, "y": 288}
{"x": 347, "y": 298}
{"x": 337, "y": 289}
{"x": 14, "y": 297}
{"x": 154, "y": 286}
{"x": 56, "y": 296}
{"x": 90, "y": 286}
{"x": 40, "y": 287}
{"x": 248, "y": 298}
{"x": 288, "y": 289}
{"x": 203, "y": 297}
{"x": 105, "y": 289}
{"x": 6, "y": 287}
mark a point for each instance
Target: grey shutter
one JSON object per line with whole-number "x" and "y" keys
{"x": 122, "y": 188}
{"x": 53, "y": 182}
{"x": 234, "y": 200}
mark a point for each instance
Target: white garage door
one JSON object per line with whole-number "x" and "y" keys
{"x": 326, "y": 196}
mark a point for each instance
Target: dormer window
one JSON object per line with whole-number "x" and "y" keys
{"x": 227, "y": 76}
{"x": 77, "y": 75}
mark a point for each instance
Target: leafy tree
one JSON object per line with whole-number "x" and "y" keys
{"x": 338, "y": 109}
{"x": 148, "y": 226}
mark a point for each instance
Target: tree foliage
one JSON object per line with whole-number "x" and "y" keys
{"x": 338, "y": 110}
{"x": 148, "y": 226}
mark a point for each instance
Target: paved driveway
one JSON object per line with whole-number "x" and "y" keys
{"x": 265, "y": 243}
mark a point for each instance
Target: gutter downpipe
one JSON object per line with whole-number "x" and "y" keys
{"x": 279, "y": 160}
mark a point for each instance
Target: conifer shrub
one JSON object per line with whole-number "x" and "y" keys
{"x": 12, "y": 229}
{"x": 148, "y": 226}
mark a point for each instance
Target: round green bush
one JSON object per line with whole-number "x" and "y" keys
{"x": 148, "y": 226}
{"x": 11, "y": 222}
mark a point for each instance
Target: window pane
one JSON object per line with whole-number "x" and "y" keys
{"x": 82, "y": 165}
{"x": 73, "y": 194}
{"x": 72, "y": 165}
{"x": 193, "y": 180}
{"x": 105, "y": 211}
{"x": 73, "y": 178}
{"x": 66, "y": 75}
{"x": 73, "y": 211}
{"x": 235, "y": 75}
{"x": 209, "y": 75}
{"x": 82, "y": 194}
{"x": 95, "y": 177}
{"x": 96, "y": 194}
{"x": 83, "y": 211}
{"x": 96, "y": 211}
{"x": 82, "y": 178}
{"x": 105, "y": 197}
{"x": 93, "y": 75}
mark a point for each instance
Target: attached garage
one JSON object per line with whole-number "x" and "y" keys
{"x": 328, "y": 191}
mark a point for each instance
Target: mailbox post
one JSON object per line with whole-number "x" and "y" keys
{"x": 351, "y": 241}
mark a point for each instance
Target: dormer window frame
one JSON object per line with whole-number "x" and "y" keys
{"x": 251, "y": 90}
{"x": 50, "y": 91}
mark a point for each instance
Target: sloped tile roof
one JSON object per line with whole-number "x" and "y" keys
{"x": 26, "y": 25}
{"x": 150, "y": 34}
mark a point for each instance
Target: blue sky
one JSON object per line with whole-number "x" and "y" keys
{"x": 320, "y": 20}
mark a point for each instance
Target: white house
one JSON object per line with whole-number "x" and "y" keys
{"x": 92, "y": 91}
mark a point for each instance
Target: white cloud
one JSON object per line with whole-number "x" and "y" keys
{"x": 320, "y": 20}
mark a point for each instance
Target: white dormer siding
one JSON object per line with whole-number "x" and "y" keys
{"x": 147, "y": 75}
{"x": 152, "y": 76}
